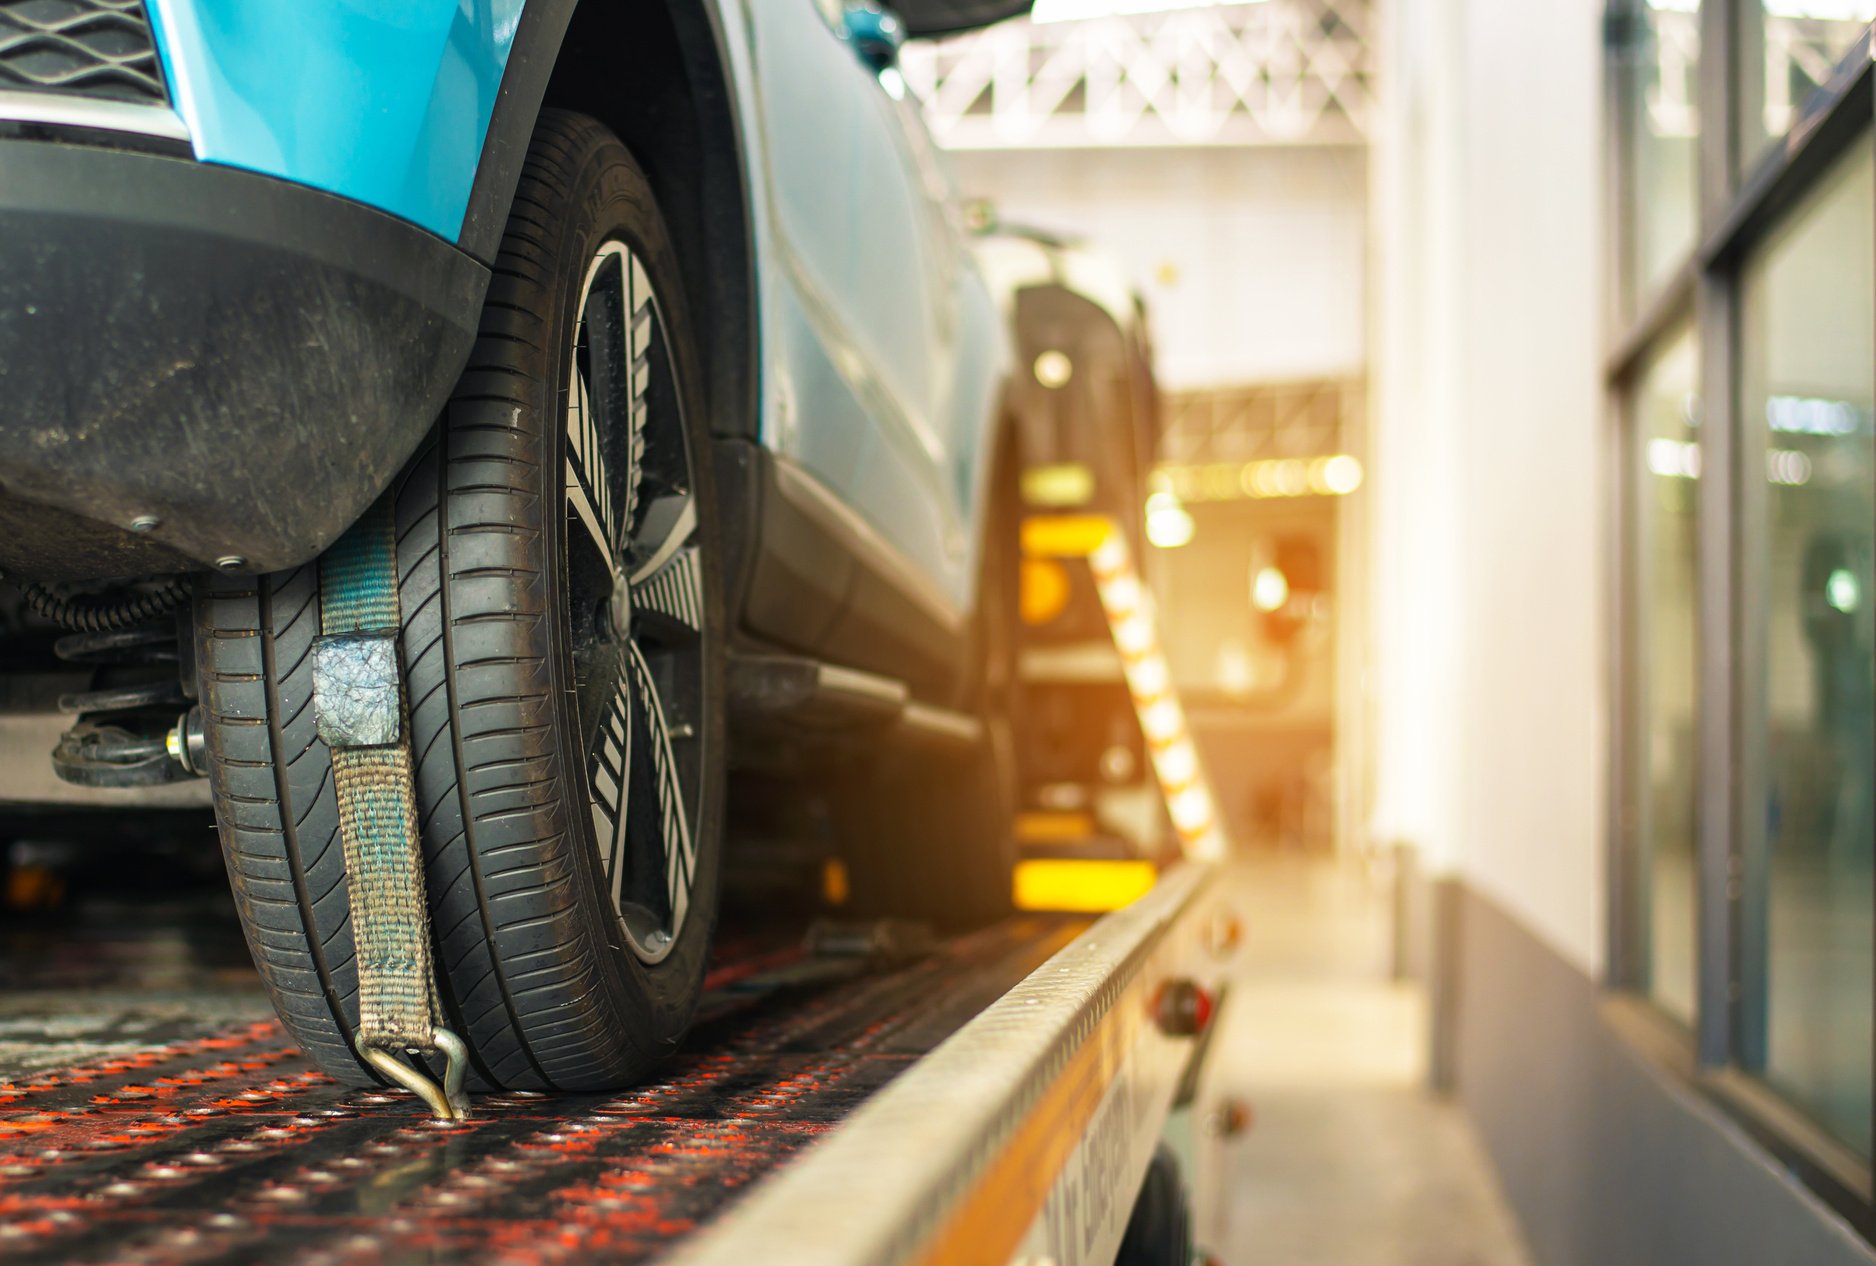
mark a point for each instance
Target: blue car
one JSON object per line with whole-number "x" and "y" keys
{"x": 652, "y": 328}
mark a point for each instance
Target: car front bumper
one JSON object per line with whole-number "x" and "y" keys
{"x": 200, "y": 364}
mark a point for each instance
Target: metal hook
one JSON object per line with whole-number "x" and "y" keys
{"x": 447, "y": 1102}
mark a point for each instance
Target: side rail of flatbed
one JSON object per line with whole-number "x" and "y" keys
{"x": 1026, "y": 1135}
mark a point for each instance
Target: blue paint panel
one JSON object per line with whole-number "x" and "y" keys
{"x": 386, "y": 102}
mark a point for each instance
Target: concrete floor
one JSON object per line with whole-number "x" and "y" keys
{"x": 1347, "y": 1161}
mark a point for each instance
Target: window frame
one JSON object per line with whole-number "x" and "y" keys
{"x": 1737, "y": 212}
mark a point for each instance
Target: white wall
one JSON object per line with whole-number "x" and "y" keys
{"x": 1487, "y": 456}
{"x": 1252, "y": 261}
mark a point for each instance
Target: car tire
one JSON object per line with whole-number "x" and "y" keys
{"x": 562, "y": 649}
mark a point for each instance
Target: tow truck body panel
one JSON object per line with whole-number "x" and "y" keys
{"x": 1028, "y": 1132}
{"x": 1025, "y": 1081}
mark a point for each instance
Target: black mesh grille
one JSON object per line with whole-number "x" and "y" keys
{"x": 88, "y": 48}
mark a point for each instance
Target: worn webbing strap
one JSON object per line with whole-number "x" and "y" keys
{"x": 358, "y": 577}
{"x": 358, "y": 702}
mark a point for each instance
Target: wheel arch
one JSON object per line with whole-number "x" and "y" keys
{"x": 1008, "y": 450}
{"x": 657, "y": 75}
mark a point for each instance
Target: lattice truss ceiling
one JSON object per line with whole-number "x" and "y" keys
{"x": 1280, "y": 72}
{"x": 1800, "y": 52}
{"x": 1271, "y": 420}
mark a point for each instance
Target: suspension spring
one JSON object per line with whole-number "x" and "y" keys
{"x": 135, "y": 727}
{"x": 97, "y": 615}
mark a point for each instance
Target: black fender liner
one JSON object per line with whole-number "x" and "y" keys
{"x": 200, "y": 365}
{"x": 531, "y": 61}
{"x": 237, "y": 364}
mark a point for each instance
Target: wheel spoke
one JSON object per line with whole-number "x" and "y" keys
{"x": 635, "y": 353}
{"x": 669, "y": 526}
{"x": 589, "y": 492}
{"x": 675, "y": 590}
{"x": 611, "y": 761}
{"x": 673, "y": 819}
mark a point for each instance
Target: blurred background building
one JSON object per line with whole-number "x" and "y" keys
{"x": 1221, "y": 152}
{"x": 1517, "y": 505}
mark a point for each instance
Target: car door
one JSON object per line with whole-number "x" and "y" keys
{"x": 882, "y": 343}
{"x": 930, "y": 344}
{"x": 806, "y": 105}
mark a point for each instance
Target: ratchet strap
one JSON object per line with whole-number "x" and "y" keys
{"x": 359, "y": 710}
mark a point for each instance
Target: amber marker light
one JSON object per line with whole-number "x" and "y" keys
{"x": 1044, "y": 590}
{"x": 1129, "y": 608}
{"x": 1079, "y": 886}
{"x": 836, "y": 887}
{"x": 1053, "y": 828}
{"x": 1065, "y": 535}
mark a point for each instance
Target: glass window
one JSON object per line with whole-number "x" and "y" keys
{"x": 1660, "y": 63}
{"x": 1665, "y": 410}
{"x": 1808, "y": 385}
{"x": 1788, "y": 49}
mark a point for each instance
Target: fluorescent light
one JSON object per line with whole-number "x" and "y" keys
{"x": 1787, "y": 467}
{"x": 1820, "y": 10}
{"x": 1842, "y": 591}
{"x": 1341, "y": 474}
{"x": 1270, "y": 589}
{"x": 1827, "y": 10}
{"x": 1053, "y": 369}
{"x": 1082, "y": 10}
{"x": 1058, "y": 485}
{"x": 1674, "y": 459}
{"x": 1169, "y": 524}
{"x": 1803, "y": 415}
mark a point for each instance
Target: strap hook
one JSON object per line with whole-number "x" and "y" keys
{"x": 447, "y": 1102}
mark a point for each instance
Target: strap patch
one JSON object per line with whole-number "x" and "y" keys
{"x": 355, "y": 689}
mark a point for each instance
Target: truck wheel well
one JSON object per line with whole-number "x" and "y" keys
{"x": 654, "y": 74}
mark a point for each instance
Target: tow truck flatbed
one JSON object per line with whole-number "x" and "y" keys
{"x": 162, "y": 1137}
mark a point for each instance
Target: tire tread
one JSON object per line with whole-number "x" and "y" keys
{"x": 519, "y": 957}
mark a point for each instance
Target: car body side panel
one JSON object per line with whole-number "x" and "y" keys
{"x": 795, "y": 93}
{"x": 881, "y": 354}
{"x": 386, "y": 102}
{"x": 862, "y": 272}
